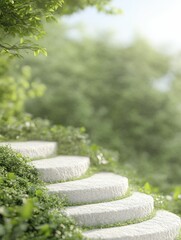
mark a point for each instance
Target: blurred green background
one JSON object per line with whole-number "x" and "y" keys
{"x": 127, "y": 97}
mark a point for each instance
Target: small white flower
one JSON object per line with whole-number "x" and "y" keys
{"x": 169, "y": 198}
{"x": 27, "y": 124}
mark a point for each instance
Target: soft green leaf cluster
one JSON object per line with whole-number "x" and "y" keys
{"x": 19, "y": 19}
{"x": 22, "y": 22}
{"x": 26, "y": 210}
{"x": 71, "y": 141}
{"x": 15, "y": 88}
{"x": 70, "y": 7}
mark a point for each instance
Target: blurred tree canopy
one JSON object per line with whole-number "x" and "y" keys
{"x": 70, "y": 7}
{"x": 111, "y": 90}
{"x": 15, "y": 88}
{"x": 21, "y": 22}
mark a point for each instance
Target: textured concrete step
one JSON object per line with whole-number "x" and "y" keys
{"x": 97, "y": 188}
{"x": 137, "y": 206}
{"x": 33, "y": 149}
{"x": 164, "y": 226}
{"x": 61, "y": 168}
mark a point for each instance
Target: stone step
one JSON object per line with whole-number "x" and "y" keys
{"x": 137, "y": 206}
{"x": 61, "y": 168}
{"x": 33, "y": 149}
{"x": 97, "y": 188}
{"x": 164, "y": 226}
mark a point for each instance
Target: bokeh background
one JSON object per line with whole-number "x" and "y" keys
{"x": 118, "y": 76}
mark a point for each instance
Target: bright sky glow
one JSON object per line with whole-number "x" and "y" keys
{"x": 159, "y": 21}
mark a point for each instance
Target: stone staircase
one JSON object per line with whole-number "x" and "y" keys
{"x": 100, "y": 202}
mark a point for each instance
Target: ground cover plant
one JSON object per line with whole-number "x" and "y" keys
{"x": 26, "y": 210}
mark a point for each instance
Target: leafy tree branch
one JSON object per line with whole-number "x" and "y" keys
{"x": 25, "y": 19}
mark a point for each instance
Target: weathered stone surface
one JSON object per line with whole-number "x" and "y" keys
{"x": 61, "y": 168}
{"x": 33, "y": 149}
{"x": 164, "y": 226}
{"x": 97, "y": 188}
{"x": 137, "y": 206}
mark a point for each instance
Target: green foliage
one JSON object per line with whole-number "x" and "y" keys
{"x": 15, "y": 88}
{"x": 173, "y": 201}
{"x": 102, "y": 5}
{"x": 71, "y": 141}
{"x": 111, "y": 91}
{"x": 27, "y": 211}
{"x": 25, "y": 18}
{"x": 22, "y": 22}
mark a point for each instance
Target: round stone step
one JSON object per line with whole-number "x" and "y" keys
{"x": 61, "y": 168}
{"x": 33, "y": 149}
{"x": 164, "y": 226}
{"x": 97, "y": 188}
{"x": 137, "y": 206}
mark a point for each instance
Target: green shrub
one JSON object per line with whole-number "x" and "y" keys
{"x": 26, "y": 210}
{"x": 71, "y": 141}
